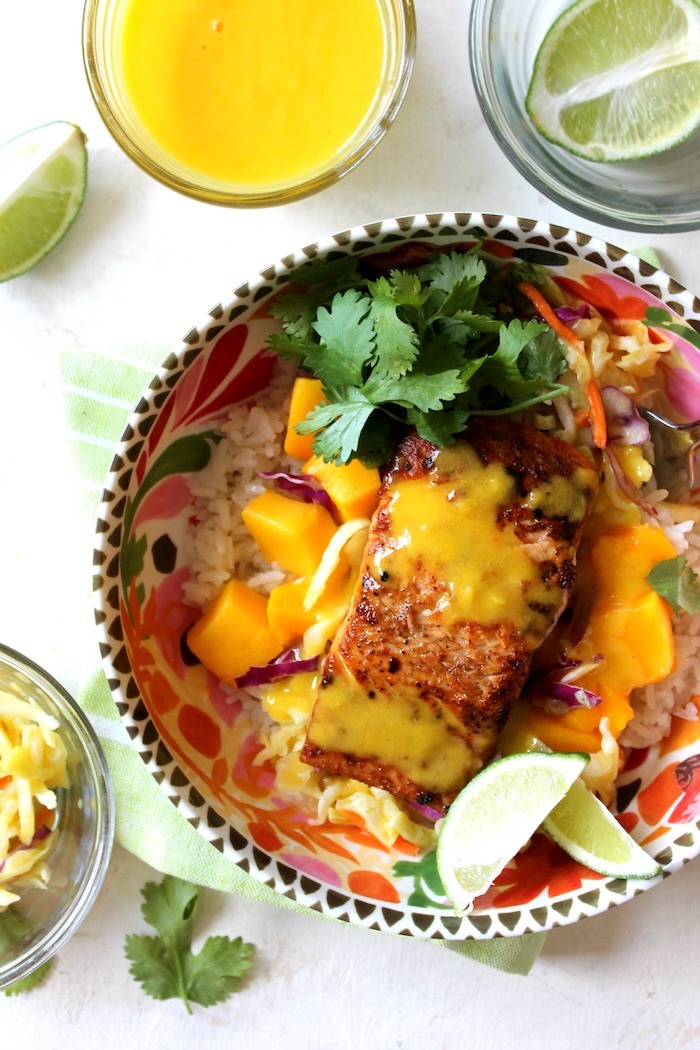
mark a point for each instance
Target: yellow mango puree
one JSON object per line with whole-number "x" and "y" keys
{"x": 250, "y": 93}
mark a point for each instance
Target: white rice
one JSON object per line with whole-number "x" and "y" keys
{"x": 220, "y": 547}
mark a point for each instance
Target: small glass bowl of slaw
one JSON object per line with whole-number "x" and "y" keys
{"x": 659, "y": 193}
{"x": 56, "y": 816}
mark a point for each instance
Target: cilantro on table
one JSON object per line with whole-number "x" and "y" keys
{"x": 165, "y": 966}
{"x": 14, "y": 929}
{"x": 427, "y": 347}
{"x": 675, "y": 581}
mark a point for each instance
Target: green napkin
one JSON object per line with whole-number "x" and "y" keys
{"x": 100, "y": 388}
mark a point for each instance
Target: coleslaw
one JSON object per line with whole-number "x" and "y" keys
{"x": 32, "y": 766}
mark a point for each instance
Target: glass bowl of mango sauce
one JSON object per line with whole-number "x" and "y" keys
{"x": 56, "y": 816}
{"x": 246, "y": 104}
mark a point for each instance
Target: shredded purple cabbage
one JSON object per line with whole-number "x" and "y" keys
{"x": 283, "y": 666}
{"x": 301, "y": 485}
{"x": 562, "y": 697}
{"x": 567, "y": 314}
{"x": 624, "y": 423}
{"x": 429, "y": 812}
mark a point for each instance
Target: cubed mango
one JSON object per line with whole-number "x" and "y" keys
{"x": 306, "y": 395}
{"x": 352, "y": 486}
{"x": 286, "y": 615}
{"x": 233, "y": 633}
{"x": 289, "y": 532}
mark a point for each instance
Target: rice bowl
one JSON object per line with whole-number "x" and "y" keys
{"x": 207, "y": 739}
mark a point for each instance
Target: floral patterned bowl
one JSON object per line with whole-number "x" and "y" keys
{"x": 201, "y": 749}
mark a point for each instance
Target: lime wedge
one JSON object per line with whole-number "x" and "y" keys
{"x": 43, "y": 175}
{"x": 589, "y": 833}
{"x": 494, "y": 816}
{"x": 619, "y": 79}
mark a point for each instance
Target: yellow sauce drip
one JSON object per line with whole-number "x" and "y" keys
{"x": 561, "y": 497}
{"x": 252, "y": 94}
{"x": 446, "y": 524}
{"x": 397, "y": 727}
{"x": 291, "y": 699}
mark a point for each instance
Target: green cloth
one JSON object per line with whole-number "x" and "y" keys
{"x": 100, "y": 389}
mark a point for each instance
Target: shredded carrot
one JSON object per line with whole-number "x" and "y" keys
{"x": 598, "y": 425}
{"x": 582, "y": 417}
{"x": 547, "y": 314}
{"x": 595, "y": 403}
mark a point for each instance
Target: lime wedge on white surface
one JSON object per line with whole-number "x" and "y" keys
{"x": 619, "y": 79}
{"x": 493, "y": 817}
{"x": 43, "y": 175}
{"x": 589, "y": 833}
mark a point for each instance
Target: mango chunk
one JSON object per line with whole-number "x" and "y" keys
{"x": 306, "y": 395}
{"x": 629, "y": 625}
{"x": 353, "y": 487}
{"x": 286, "y": 615}
{"x": 233, "y": 634}
{"x": 578, "y": 729}
{"x": 289, "y": 532}
{"x": 624, "y": 557}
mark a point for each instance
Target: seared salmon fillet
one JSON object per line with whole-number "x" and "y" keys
{"x": 468, "y": 565}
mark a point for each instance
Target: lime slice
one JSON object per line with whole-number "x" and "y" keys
{"x": 43, "y": 175}
{"x": 494, "y": 816}
{"x": 619, "y": 79}
{"x": 589, "y": 833}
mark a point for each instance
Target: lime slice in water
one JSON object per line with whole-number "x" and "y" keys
{"x": 493, "y": 817}
{"x": 43, "y": 175}
{"x": 589, "y": 833}
{"x": 619, "y": 79}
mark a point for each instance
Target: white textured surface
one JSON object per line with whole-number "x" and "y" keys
{"x": 625, "y": 979}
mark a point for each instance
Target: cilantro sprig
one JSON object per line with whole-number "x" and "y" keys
{"x": 165, "y": 966}
{"x": 678, "y": 583}
{"x": 426, "y": 347}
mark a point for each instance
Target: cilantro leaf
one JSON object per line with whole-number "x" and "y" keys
{"x": 289, "y": 346}
{"x": 543, "y": 357}
{"x": 396, "y": 346}
{"x": 32, "y": 980}
{"x": 297, "y": 311}
{"x": 218, "y": 969}
{"x": 346, "y": 331}
{"x": 501, "y": 369}
{"x": 675, "y": 581}
{"x": 15, "y": 927}
{"x": 442, "y": 427}
{"x": 450, "y": 269}
{"x": 338, "y": 425}
{"x": 408, "y": 290}
{"x": 165, "y": 966}
{"x": 424, "y": 391}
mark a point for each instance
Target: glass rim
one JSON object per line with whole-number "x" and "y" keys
{"x": 213, "y": 192}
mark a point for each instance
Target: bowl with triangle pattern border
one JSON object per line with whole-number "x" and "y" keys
{"x": 170, "y": 535}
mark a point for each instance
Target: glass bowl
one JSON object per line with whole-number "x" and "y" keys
{"x": 102, "y": 26}
{"x": 660, "y": 193}
{"x": 33, "y": 928}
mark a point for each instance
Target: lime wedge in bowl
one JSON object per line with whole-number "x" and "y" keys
{"x": 618, "y": 80}
{"x": 43, "y": 176}
{"x": 589, "y": 833}
{"x": 493, "y": 817}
